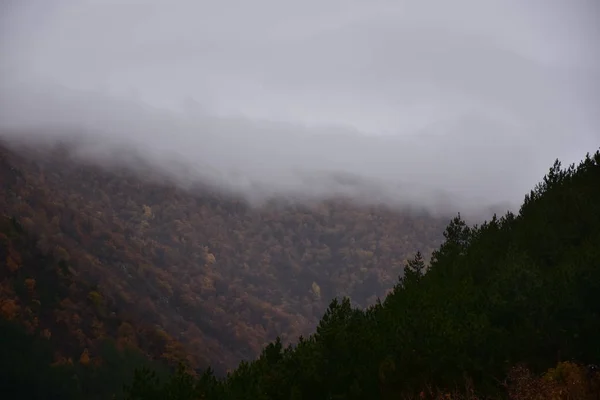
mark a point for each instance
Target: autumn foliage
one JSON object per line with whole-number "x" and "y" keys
{"x": 215, "y": 275}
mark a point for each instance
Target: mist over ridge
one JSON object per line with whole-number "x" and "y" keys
{"x": 445, "y": 108}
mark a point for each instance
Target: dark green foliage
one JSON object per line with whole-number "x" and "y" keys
{"x": 179, "y": 386}
{"x": 414, "y": 271}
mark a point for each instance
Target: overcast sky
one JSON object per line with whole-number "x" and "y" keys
{"x": 472, "y": 97}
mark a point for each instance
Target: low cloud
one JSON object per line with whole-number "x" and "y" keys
{"x": 439, "y": 107}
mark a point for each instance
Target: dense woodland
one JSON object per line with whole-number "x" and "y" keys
{"x": 496, "y": 306}
{"x": 194, "y": 274}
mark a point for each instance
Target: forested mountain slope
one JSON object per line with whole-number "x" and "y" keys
{"x": 518, "y": 289}
{"x": 59, "y": 336}
{"x": 200, "y": 269}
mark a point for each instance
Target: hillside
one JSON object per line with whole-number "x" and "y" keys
{"x": 206, "y": 272}
{"x": 60, "y": 338}
{"x": 499, "y": 304}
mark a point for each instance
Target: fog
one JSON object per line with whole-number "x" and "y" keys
{"x": 430, "y": 103}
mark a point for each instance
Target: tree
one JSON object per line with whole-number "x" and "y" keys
{"x": 414, "y": 270}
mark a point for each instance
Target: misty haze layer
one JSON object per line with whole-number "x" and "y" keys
{"x": 413, "y": 102}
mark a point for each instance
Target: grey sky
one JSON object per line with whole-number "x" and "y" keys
{"x": 472, "y": 97}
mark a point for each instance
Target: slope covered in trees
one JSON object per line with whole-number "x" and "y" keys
{"x": 208, "y": 277}
{"x": 520, "y": 289}
{"x": 59, "y": 337}
{"x": 517, "y": 290}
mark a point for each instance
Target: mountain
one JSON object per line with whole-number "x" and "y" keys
{"x": 188, "y": 274}
{"x": 498, "y": 304}
{"x": 112, "y": 276}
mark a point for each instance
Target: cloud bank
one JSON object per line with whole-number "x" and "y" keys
{"x": 407, "y": 102}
